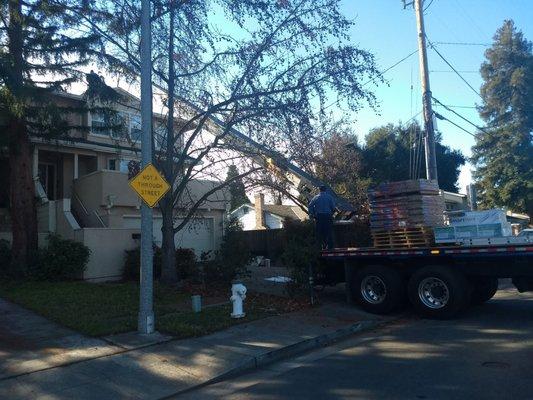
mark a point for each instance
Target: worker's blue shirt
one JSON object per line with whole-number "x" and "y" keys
{"x": 322, "y": 203}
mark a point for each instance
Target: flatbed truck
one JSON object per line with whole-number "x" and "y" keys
{"x": 439, "y": 281}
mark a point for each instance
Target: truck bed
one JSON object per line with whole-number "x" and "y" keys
{"x": 495, "y": 260}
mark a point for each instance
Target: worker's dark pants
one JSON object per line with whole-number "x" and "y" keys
{"x": 324, "y": 230}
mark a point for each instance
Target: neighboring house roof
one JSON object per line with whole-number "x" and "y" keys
{"x": 285, "y": 211}
{"x": 282, "y": 211}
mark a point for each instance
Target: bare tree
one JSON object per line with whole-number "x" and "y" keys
{"x": 266, "y": 68}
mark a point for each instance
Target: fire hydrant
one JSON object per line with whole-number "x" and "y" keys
{"x": 238, "y": 294}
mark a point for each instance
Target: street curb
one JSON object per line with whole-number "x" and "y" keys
{"x": 261, "y": 360}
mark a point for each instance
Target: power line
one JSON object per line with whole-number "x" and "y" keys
{"x": 446, "y": 71}
{"x": 463, "y": 44}
{"x": 439, "y": 116}
{"x": 380, "y": 74}
{"x": 459, "y": 115}
{"x": 392, "y": 66}
{"x": 454, "y": 106}
{"x": 429, "y": 5}
{"x": 452, "y": 67}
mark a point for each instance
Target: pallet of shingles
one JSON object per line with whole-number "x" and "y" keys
{"x": 403, "y": 238}
{"x": 402, "y": 213}
{"x": 418, "y": 186}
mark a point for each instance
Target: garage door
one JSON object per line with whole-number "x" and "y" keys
{"x": 198, "y": 234}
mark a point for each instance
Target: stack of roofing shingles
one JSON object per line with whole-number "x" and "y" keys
{"x": 406, "y": 204}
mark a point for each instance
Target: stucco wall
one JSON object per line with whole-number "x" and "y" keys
{"x": 108, "y": 248}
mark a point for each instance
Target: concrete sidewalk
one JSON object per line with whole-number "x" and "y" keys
{"x": 29, "y": 343}
{"x": 155, "y": 371}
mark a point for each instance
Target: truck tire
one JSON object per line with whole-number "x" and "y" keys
{"x": 378, "y": 289}
{"x": 483, "y": 289}
{"x": 438, "y": 292}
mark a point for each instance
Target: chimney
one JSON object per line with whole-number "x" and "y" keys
{"x": 259, "y": 206}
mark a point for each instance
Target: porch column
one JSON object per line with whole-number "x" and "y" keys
{"x": 75, "y": 165}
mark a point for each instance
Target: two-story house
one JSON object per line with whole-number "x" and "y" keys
{"x": 82, "y": 185}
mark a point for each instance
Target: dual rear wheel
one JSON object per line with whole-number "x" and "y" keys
{"x": 434, "y": 291}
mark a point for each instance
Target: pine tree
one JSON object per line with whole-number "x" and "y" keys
{"x": 236, "y": 188}
{"x": 41, "y": 51}
{"x": 387, "y": 156}
{"x": 503, "y": 153}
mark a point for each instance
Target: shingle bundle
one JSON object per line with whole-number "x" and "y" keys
{"x": 406, "y": 204}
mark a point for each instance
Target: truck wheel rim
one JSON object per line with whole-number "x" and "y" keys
{"x": 373, "y": 289}
{"x": 433, "y": 293}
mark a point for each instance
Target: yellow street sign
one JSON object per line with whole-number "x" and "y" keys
{"x": 150, "y": 185}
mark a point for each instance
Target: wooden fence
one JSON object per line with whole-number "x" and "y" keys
{"x": 270, "y": 242}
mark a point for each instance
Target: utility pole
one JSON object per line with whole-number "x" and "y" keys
{"x": 429, "y": 133}
{"x": 146, "y": 310}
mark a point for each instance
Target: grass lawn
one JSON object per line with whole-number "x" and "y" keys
{"x": 98, "y": 309}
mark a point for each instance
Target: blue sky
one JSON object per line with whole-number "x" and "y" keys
{"x": 389, "y": 31}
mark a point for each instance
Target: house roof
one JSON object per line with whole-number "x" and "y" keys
{"x": 283, "y": 210}
{"x": 280, "y": 210}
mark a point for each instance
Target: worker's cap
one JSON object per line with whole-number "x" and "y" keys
{"x": 323, "y": 188}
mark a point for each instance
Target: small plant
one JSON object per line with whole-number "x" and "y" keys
{"x": 186, "y": 264}
{"x": 61, "y": 259}
{"x": 132, "y": 264}
{"x": 230, "y": 261}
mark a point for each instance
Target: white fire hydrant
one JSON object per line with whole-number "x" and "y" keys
{"x": 238, "y": 294}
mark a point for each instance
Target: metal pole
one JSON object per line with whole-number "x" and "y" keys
{"x": 146, "y": 309}
{"x": 429, "y": 137}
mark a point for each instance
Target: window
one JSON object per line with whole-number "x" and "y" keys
{"x": 124, "y": 165}
{"x": 114, "y": 125}
{"x": 120, "y": 124}
{"x": 112, "y": 164}
{"x": 160, "y": 134}
{"x": 47, "y": 178}
{"x": 135, "y": 128}
{"x": 118, "y": 164}
{"x": 98, "y": 124}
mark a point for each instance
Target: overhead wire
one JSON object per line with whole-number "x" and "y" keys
{"x": 379, "y": 75}
{"x": 442, "y": 117}
{"x": 452, "y": 67}
{"x": 429, "y": 5}
{"x": 459, "y": 115}
{"x": 463, "y": 44}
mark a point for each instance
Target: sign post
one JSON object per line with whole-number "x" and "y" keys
{"x": 146, "y": 323}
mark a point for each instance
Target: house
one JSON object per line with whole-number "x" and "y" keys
{"x": 455, "y": 201}
{"x": 266, "y": 216}
{"x": 84, "y": 195}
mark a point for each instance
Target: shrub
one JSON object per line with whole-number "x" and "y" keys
{"x": 230, "y": 261}
{"x": 5, "y": 257}
{"x": 186, "y": 264}
{"x": 300, "y": 251}
{"x": 132, "y": 264}
{"x": 61, "y": 259}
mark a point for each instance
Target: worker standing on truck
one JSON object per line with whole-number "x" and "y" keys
{"x": 321, "y": 209}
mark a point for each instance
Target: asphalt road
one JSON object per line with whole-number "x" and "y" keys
{"x": 485, "y": 354}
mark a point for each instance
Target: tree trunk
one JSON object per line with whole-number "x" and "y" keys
{"x": 169, "y": 275}
{"x": 22, "y": 187}
{"x": 22, "y": 199}
{"x": 168, "y": 268}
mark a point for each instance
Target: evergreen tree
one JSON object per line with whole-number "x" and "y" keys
{"x": 41, "y": 52}
{"x": 388, "y": 156}
{"x": 236, "y": 188}
{"x": 503, "y": 154}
